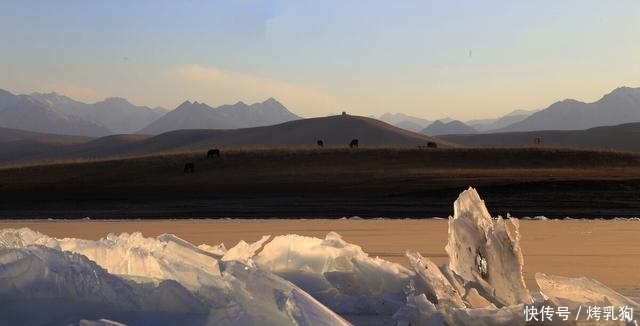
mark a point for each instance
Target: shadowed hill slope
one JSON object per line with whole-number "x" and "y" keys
{"x": 621, "y": 137}
{"x": 330, "y": 182}
{"x": 335, "y": 131}
{"x": 8, "y": 135}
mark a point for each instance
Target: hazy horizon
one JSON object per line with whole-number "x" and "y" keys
{"x": 431, "y": 60}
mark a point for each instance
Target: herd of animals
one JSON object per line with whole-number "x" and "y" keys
{"x": 190, "y": 167}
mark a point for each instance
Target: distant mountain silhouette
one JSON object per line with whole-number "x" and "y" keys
{"x": 114, "y": 113}
{"x": 487, "y": 125}
{"x": 622, "y": 105}
{"x": 28, "y": 113}
{"x": 202, "y": 116}
{"x": 405, "y": 121}
{"x": 335, "y": 131}
{"x": 449, "y": 128}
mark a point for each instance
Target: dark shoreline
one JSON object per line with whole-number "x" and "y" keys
{"x": 368, "y": 183}
{"x": 605, "y": 199}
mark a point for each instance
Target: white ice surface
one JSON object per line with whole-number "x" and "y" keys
{"x": 287, "y": 280}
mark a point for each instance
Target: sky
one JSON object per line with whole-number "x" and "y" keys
{"x": 430, "y": 59}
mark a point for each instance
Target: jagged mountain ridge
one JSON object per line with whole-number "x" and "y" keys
{"x": 27, "y": 113}
{"x": 622, "y": 105}
{"x": 115, "y": 113}
{"x": 240, "y": 115}
{"x": 53, "y": 113}
{"x": 448, "y": 128}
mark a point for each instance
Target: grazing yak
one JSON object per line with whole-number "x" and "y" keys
{"x": 213, "y": 152}
{"x": 189, "y": 168}
{"x": 432, "y": 144}
{"x": 354, "y": 143}
{"x": 536, "y": 141}
{"x": 320, "y": 143}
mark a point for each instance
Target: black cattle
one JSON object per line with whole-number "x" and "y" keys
{"x": 213, "y": 152}
{"x": 353, "y": 143}
{"x": 189, "y": 168}
{"x": 432, "y": 144}
{"x": 536, "y": 141}
{"x": 320, "y": 143}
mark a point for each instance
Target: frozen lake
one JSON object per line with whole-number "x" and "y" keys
{"x": 605, "y": 250}
{"x": 471, "y": 269}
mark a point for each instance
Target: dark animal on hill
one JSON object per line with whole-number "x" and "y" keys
{"x": 536, "y": 141}
{"x": 320, "y": 143}
{"x": 432, "y": 144}
{"x": 189, "y": 168}
{"x": 213, "y": 152}
{"x": 354, "y": 143}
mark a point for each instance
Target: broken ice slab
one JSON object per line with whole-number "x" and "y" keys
{"x": 484, "y": 250}
{"x": 438, "y": 289}
{"x": 578, "y": 294}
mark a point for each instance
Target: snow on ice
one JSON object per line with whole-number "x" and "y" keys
{"x": 288, "y": 280}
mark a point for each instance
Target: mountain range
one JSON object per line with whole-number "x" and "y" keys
{"x": 404, "y": 121}
{"x": 240, "y": 115}
{"x": 447, "y": 128}
{"x": 487, "y": 125}
{"x": 58, "y": 114}
{"x": 52, "y": 113}
{"x": 116, "y": 114}
{"x": 620, "y": 106}
{"x": 27, "y": 113}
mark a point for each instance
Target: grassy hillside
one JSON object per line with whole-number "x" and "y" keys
{"x": 336, "y": 131}
{"x": 330, "y": 182}
{"x": 620, "y": 137}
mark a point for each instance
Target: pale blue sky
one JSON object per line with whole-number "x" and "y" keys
{"x": 432, "y": 59}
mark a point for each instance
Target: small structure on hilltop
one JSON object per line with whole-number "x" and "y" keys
{"x": 353, "y": 143}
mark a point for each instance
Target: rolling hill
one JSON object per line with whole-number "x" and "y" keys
{"x": 621, "y": 137}
{"x": 335, "y": 131}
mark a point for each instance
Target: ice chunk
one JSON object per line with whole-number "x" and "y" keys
{"x": 505, "y": 316}
{"x": 244, "y": 251}
{"x": 39, "y": 285}
{"x": 18, "y": 238}
{"x": 419, "y": 311}
{"x": 438, "y": 288}
{"x": 585, "y": 292}
{"x": 481, "y": 249}
{"x": 337, "y": 273}
{"x": 267, "y": 299}
{"x": 217, "y": 250}
{"x": 165, "y": 258}
{"x": 66, "y": 285}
